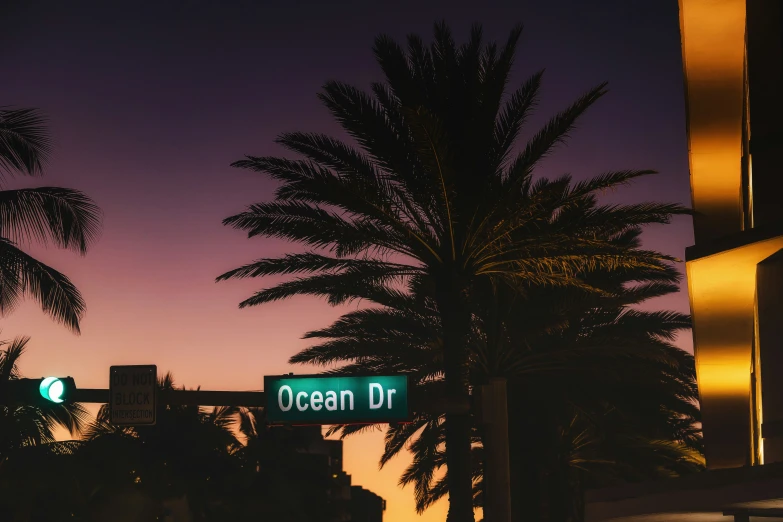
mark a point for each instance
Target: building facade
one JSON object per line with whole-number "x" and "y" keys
{"x": 366, "y": 506}
{"x": 341, "y": 501}
{"x": 733, "y": 68}
{"x": 733, "y": 64}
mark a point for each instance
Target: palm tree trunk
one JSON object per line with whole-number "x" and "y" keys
{"x": 455, "y": 321}
{"x": 565, "y": 495}
{"x": 560, "y": 505}
{"x": 526, "y": 491}
{"x": 578, "y": 498}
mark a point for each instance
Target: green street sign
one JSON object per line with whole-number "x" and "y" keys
{"x": 320, "y": 399}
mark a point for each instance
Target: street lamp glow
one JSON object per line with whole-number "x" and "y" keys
{"x": 52, "y": 389}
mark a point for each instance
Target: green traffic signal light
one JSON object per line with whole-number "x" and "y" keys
{"x": 40, "y": 392}
{"x": 52, "y": 389}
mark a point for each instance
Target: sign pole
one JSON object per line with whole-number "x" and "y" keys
{"x": 418, "y": 403}
{"x": 497, "y": 474}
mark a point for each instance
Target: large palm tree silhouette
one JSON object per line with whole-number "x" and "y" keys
{"x": 438, "y": 194}
{"x": 65, "y": 217}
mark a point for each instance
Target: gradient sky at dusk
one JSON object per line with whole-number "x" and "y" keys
{"x": 150, "y": 102}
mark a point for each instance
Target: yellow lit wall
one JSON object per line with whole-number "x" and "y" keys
{"x": 722, "y": 295}
{"x": 713, "y": 49}
{"x": 721, "y": 286}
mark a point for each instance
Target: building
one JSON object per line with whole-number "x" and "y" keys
{"x": 337, "y": 500}
{"x": 733, "y": 67}
{"x": 330, "y": 454}
{"x": 366, "y": 506}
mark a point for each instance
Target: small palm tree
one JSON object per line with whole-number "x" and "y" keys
{"x": 65, "y": 217}
{"x": 29, "y": 453}
{"x": 186, "y": 453}
{"x": 25, "y": 426}
{"x": 36, "y": 483}
{"x": 435, "y": 195}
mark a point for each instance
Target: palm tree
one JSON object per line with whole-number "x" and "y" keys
{"x": 186, "y": 454}
{"x": 65, "y": 217}
{"x": 28, "y": 425}
{"x": 35, "y": 483}
{"x": 597, "y": 391}
{"x": 435, "y": 196}
{"x": 28, "y": 446}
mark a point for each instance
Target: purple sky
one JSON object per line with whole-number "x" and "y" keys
{"x": 149, "y": 104}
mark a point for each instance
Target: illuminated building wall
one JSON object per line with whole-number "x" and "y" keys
{"x": 733, "y": 65}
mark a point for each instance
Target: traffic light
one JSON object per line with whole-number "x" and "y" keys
{"x": 52, "y": 389}
{"x": 38, "y": 392}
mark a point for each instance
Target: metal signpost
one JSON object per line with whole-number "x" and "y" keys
{"x": 323, "y": 399}
{"x": 132, "y": 393}
{"x": 296, "y": 400}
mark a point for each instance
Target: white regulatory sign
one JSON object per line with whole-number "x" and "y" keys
{"x": 133, "y": 393}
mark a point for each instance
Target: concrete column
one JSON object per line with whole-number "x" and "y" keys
{"x": 769, "y": 343}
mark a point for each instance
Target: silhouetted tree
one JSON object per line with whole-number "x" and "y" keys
{"x": 31, "y": 425}
{"x": 65, "y": 217}
{"x": 37, "y": 484}
{"x": 31, "y": 461}
{"x": 435, "y": 195}
{"x": 186, "y": 454}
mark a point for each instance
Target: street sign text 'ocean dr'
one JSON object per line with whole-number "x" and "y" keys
{"x": 132, "y": 390}
{"x": 320, "y": 399}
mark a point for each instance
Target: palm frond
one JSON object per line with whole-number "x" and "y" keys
{"x": 310, "y": 262}
{"x": 513, "y": 116}
{"x": 66, "y": 217}
{"x": 554, "y": 132}
{"x": 24, "y": 141}
{"x": 337, "y": 288}
{"x": 21, "y": 274}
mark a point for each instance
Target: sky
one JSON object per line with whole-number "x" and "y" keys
{"x": 149, "y": 103}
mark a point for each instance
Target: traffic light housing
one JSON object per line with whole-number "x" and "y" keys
{"x": 46, "y": 391}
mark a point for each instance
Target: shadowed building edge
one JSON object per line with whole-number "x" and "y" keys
{"x": 733, "y": 66}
